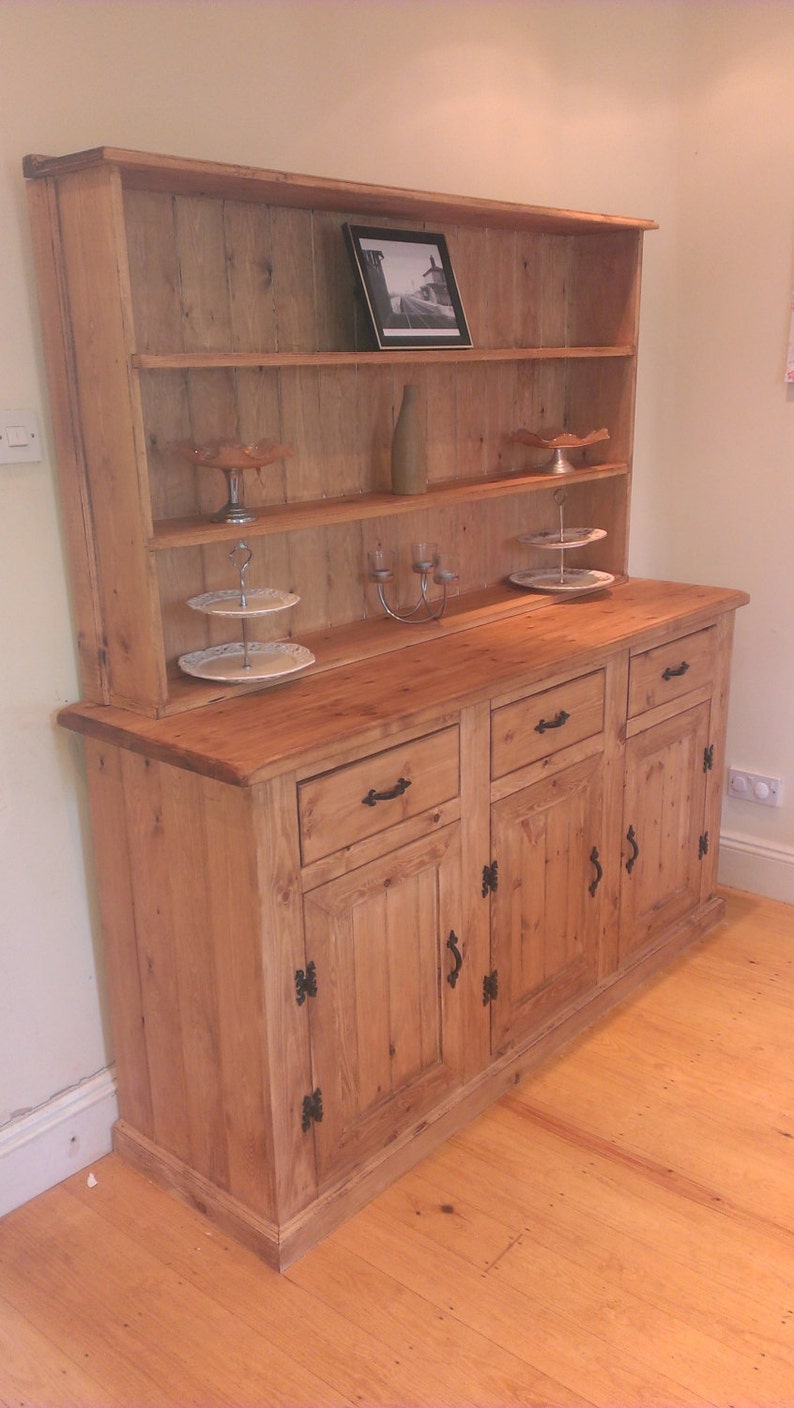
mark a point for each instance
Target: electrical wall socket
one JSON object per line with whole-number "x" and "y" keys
{"x": 754, "y": 787}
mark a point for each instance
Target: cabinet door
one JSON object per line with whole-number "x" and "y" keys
{"x": 545, "y": 910}
{"x": 386, "y": 1024}
{"x": 663, "y": 820}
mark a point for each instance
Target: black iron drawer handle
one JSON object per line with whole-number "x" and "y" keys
{"x": 452, "y": 945}
{"x": 562, "y": 718}
{"x": 672, "y": 674}
{"x": 635, "y": 850}
{"x": 372, "y": 796}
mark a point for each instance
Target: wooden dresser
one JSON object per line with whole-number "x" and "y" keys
{"x": 342, "y": 914}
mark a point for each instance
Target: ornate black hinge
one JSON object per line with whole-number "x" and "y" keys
{"x": 305, "y": 983}
{"x": 312, "y": 1109}
{"x": 708, "y": 758}
{"x": 703, "y": 845}
{"x": 490, "y": 987}
{"x": 490, "y": 878}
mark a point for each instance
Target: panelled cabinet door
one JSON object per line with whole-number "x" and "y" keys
{"x": 545, "y": 910}
{"x": 663, "y": 819}
{"x": 386, "y": 1025}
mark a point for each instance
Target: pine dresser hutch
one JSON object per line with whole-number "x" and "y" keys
{"x": 308, "y": 994}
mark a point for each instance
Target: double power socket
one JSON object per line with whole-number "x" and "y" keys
{"x": 754, "y": 787}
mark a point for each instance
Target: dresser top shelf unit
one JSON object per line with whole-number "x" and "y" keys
{"x": 191, "y": 301}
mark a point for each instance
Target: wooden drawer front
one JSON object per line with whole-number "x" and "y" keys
{"x": 670, "y": 670}
{"x": 532, "y": 728}
{"x": 332, "y": 810}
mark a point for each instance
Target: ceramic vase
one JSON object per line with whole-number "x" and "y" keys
{"x": 408, "y": 470}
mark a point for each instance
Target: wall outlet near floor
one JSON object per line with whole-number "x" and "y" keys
{"x": 754, "y": 787}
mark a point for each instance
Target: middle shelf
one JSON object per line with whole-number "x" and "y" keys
{"x": 207, "y": 360}
{"x": 318, "y": 513}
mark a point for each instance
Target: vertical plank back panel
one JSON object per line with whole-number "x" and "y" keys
{"x": 201, "y": 253}
{"x": 530, "y": 253}
{"x": 249, "y": 273}
{"x": 343, "y": 463}
{"x": 173, "y": 482}
{"x": 154, "y": 271}
{"x": 259, "y": 418}
{"x": 601, "y": 393}
{"x": 293, "y": 280}
{"x": 555, "y": 290}
{"x": 501, "y": 274}
{"x": 465, "y": 252}
{"x": 604, "y": 296}
{"x": 333, "y": 282}
{"x": 376, "y": 413}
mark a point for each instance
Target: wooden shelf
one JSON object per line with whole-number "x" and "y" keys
{"x": 192, "y": 361}
{"x": 280, "y": 720}
{"x": 342, "y": 646}
{"x": 322, "y": 513}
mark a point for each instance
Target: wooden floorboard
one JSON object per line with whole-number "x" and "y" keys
{"x": 617, "y": 1231}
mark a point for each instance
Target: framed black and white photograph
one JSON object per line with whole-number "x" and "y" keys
{"x": 408, "y": 286}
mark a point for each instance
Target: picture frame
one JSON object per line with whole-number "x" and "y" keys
{"x": 408, "y": 286}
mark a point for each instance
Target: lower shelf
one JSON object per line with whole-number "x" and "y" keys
{"x": 364, "y": 640}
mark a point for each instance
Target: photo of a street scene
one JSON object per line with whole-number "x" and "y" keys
{"x": 409, "y": 286}
{"x": 412, "y": 279}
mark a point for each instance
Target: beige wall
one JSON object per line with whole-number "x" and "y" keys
{"x": 679, "y": 111}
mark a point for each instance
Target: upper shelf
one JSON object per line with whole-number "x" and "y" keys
{"x": 152, "y": 361}
{"x": 178, "y": 175}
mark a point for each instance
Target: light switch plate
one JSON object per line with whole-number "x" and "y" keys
{"x": 20, "y": 437}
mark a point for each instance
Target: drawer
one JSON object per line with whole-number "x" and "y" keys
{"x": 533, "y": 728}
{"x": 668, "y": 671}
{"x": 338, "y": 808}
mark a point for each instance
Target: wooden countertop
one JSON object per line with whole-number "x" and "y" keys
{"x": 246, "y": 739}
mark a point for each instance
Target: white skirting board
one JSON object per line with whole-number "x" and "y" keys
{"x": 760, "y": 867}
{"x": 58, "y": 1139}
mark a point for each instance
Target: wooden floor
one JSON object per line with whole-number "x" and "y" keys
{"x": 619, "y": 1230}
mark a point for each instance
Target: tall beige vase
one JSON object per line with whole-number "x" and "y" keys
{"x": 408, "y": 463}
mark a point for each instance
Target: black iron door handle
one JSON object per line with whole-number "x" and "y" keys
{"x": 635, "y": 850}
{"x": 594, "y": 884}
{"x": 452, "y": 945}
{"x": 373, "y": 796}
{"x": 672, "y": 673}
